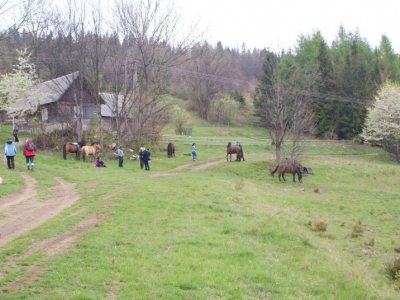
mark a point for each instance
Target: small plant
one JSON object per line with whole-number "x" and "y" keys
{"x": 393, "y": 270}
{"x": 370, "y": 243}
{"x": 239, "y": 185}
{"x": 358, "y": 230}
{"x": 319, "y": 226}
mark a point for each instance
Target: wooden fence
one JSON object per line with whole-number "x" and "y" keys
{"x": 223, "y": 141}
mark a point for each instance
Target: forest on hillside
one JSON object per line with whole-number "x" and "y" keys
{"x": 144, "y": 54}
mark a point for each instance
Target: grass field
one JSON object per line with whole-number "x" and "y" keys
{"x": 221, "y": 231}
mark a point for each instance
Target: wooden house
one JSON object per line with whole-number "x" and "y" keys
{"x": 58, "y": 103}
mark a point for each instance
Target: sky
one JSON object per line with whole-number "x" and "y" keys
{"x": 277, "y": 24}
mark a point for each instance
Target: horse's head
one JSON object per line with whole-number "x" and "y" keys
{"x": 229, "y": 145}
{"x": 96, "y": 145}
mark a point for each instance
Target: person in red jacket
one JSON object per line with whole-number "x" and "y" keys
{"x": 29, "y": 153}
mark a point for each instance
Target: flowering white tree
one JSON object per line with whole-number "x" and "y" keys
{"x": 384, "y": 118}
{"x": 18, "y": 94}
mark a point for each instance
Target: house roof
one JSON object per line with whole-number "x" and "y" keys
{"x": 55, "y": 88}
{"x": 50, "y": 91}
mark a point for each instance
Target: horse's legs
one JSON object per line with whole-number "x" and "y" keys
{"x": 283, "y": 176}
{"x": 294, "y": 177}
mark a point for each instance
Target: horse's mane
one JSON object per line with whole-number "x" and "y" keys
{"x": 95, "y": 143}
{"x": 229, "y": 145}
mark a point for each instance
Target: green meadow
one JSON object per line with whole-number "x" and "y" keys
{"x": 212, "y": 229}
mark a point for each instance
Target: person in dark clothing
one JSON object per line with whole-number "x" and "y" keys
{"x": 241, "y": 151}
{"x": 120, "y": 154}
{"x": 15, "y": 132}
{"x": 141, "y": 151}
{"x": 146, "y": 158}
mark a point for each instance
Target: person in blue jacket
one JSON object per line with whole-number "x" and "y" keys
{"x": 146, "y": 158}
{"x": 10, "y": 151}
{"x": 194, "y": 151}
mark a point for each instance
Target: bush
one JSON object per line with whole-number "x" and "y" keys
{"x": 319, "y": 226}
{"x": 393, "y": 270}
{"x": 358, "y": 230}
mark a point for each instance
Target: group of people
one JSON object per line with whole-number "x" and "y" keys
{"x": 29, "y": 151}
{"x": 144, "y": 157}
{"x": 241, "y": 156}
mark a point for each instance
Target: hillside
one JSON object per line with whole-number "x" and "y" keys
{"x": 206, "y": 229}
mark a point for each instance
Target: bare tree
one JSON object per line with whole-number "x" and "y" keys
{"x": 207, "y": 76}
{"x": 281, "y": 101}
{"x": 156, "y": 43}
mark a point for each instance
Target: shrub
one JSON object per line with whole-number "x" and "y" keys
{"x": 358, "y": 230}
{"x": 319, "y": 226}
{"x": 393, "y": 270}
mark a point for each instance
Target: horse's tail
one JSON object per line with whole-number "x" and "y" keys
{"x": 84, "y": 155}
{"x": 274, "y": 171}
{"x": 64, "y": 151}
{"x": 229, "y": 145}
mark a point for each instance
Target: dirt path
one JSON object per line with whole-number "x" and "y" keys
{"x": 22, "y": 212}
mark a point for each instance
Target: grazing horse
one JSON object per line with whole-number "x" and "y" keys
{"x": 73, "y": 148}
{"x": 232, "y": 150}
{"x": 288, "y": 168}
{"x": 90, "y": 150}
{"x": 171, "y": 149}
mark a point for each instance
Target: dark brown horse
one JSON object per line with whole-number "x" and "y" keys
{"x": 232, "y": 150}
{"x": 73, "y": 148}
{"x": 288, "y": 168}
{"x": 90, "y": 150}
{"x": 171, "y": 149}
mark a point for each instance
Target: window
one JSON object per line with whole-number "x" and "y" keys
{"x": 45, "y": 115}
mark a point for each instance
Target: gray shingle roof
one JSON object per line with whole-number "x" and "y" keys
{"x": 52, "y": 91}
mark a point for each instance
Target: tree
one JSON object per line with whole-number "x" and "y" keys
{"x": 149, "y": 31}
{"x": 18, "y": 94}
{"x": 281, "y": 101}
{"x": 179, "y": 118}
{"x": 383, "y": 119}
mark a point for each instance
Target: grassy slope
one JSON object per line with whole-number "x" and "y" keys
{"x": 230, "y": 231}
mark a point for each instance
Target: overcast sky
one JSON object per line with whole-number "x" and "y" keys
{"x": 277, "y": 24}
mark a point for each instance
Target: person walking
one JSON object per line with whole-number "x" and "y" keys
{"x": 141, "y": 151}
{"x": 146, "y": 158}
{"x": 194, "y": 151}
{"x": 241, "y": 151}
{"x": 120, "y": 154}
{"x": 15, "y": 132}
{"x": 10, "y": 151}
{"x": 29, "y": 153}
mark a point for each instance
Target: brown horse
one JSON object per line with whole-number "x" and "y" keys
{"x": 90, "y": 150}
{"x": 171, "y": 149}
{"x": 73, "y": 148}
{"x": 232, "y": 150}
{"x": 288, "y": 168}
